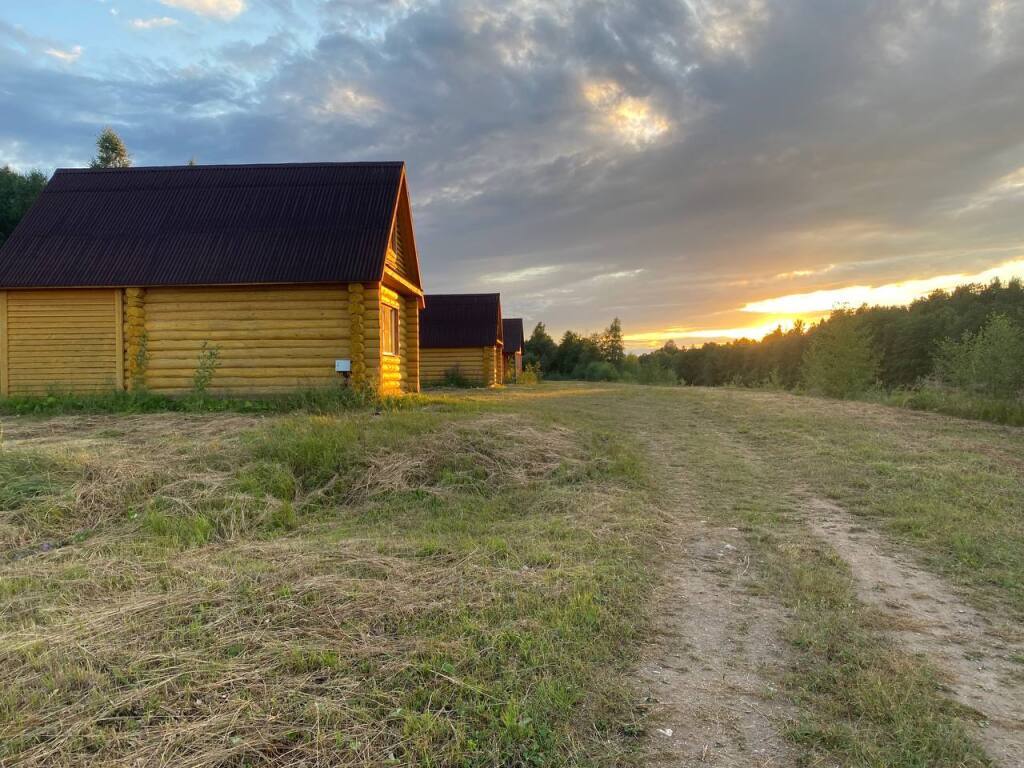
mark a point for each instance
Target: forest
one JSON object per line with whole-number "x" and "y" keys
{"x": 960, "y": 351}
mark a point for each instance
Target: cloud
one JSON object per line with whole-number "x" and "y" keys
{"x": 522, "y": 275}
{"x": 348, "y": 103}
{"x": 655, "y": 339}
{"x": 797, "y": 273}
{"x": 550, "y": 143}
{"x": 633, "y": 120}
{"x": 217, "y": 9}
{"x": 1003, "y": 189}
{"x": 620, "y": 275}
{"x": 67, "y": 55}
{"x": 726, "y": 26}
{"x": 153, "y": 23}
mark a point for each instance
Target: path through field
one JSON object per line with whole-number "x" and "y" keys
{"x": 735, "y": 465}
{"x": 712, "y": 670}
{"x": 975, "y": 652}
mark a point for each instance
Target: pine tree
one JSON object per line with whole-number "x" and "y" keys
{"x": 110, "y": 151}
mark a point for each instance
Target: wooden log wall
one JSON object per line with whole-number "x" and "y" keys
{"x": 411, "y": 319}
{"x": 371, "y": 335}
{"x": 357, "y": 347}
{"x": 435, "y": 364}
{"x": 136, "y": 342}
{"x": 63, "y": 340}
{"x": 268, "y": 338}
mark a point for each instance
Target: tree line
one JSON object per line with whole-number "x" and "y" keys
{"x": 970, "y": 339}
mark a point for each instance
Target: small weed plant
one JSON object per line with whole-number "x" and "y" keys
{"x": 206, "y": 369}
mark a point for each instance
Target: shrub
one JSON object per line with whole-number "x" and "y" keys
{"x": 990, "y": 362}
{"x": 841, "y": 360}
{"x": 599, "y": 370}
{"x": 454, "y": 377}
{"x": 656, "y": 372}
{"x": 931, "y": 396}
{"x": 531, "y": 374}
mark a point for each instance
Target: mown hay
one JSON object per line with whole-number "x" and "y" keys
{"x": 450, "y": 600}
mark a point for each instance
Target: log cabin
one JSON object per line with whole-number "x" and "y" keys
{"x": 461, "y": 338}
{"x": 512, "y": 332}
{"x": 284, "y": 276}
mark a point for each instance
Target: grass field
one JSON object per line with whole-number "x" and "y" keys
{"x": 466, "y": 581}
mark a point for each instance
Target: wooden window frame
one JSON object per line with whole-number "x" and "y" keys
{"x": 391, "y": 330}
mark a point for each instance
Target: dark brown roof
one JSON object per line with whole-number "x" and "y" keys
{"x": 206, "y": 225}
{"x": 512, "y": 329}
{"x": 461, "y": 320}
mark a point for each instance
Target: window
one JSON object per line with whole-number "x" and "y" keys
{"x": 389, "y": 330}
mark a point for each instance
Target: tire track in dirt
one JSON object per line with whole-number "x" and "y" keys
{"x": 708, "y": 672}
{"x": 929, "y": 619}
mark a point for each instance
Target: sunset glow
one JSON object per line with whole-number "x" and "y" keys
{"x": 784, "y": 311}
{"x": 890, "y": 294}
{"x": 686, "y": 336}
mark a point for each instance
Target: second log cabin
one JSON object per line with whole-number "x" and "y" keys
{"x": 461, "y": 339}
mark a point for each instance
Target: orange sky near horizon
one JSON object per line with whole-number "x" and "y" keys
{"x": 756, "y": 319}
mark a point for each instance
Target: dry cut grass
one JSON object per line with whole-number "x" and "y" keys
{"x": 318, "y": 591}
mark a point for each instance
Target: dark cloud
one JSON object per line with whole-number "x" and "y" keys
{"x": 665, "y": 160}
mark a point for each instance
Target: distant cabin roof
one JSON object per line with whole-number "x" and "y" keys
{"x": 461, "y": 320}
{"x": 512, "y": 329}
{"x": 206, "y": 225}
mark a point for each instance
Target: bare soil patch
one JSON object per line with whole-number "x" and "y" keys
{"x": 980, "y": 659}
{"x": 708, "y": 672}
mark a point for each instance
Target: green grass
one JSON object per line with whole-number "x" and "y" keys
{"x": 324, "y": 400}
{"x": 949, "y": 488}
{"x": 957, "y": 403}
{"x": 462, "y": 580}
{"x": 29, "y": 477}
{"x": 860, "y": 699}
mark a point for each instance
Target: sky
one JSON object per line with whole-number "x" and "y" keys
{"x": 702, "y": 169}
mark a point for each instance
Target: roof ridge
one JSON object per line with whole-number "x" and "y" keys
{"x": 463, "y": 295}
{"x": 227, "y": 166}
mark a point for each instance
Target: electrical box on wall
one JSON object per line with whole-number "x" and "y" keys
{"x": 343, "y": 366}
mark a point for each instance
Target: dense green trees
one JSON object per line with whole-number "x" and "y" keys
{"x": 17, "y": 193}
{"x": 970, "y": 340}
{"x": 989, "y": 362}
{"x": 540, "y": 349}
{"x": 840, "y": 360}
{"x": 598, "y": 357}
{"x": 967, "y": 338}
